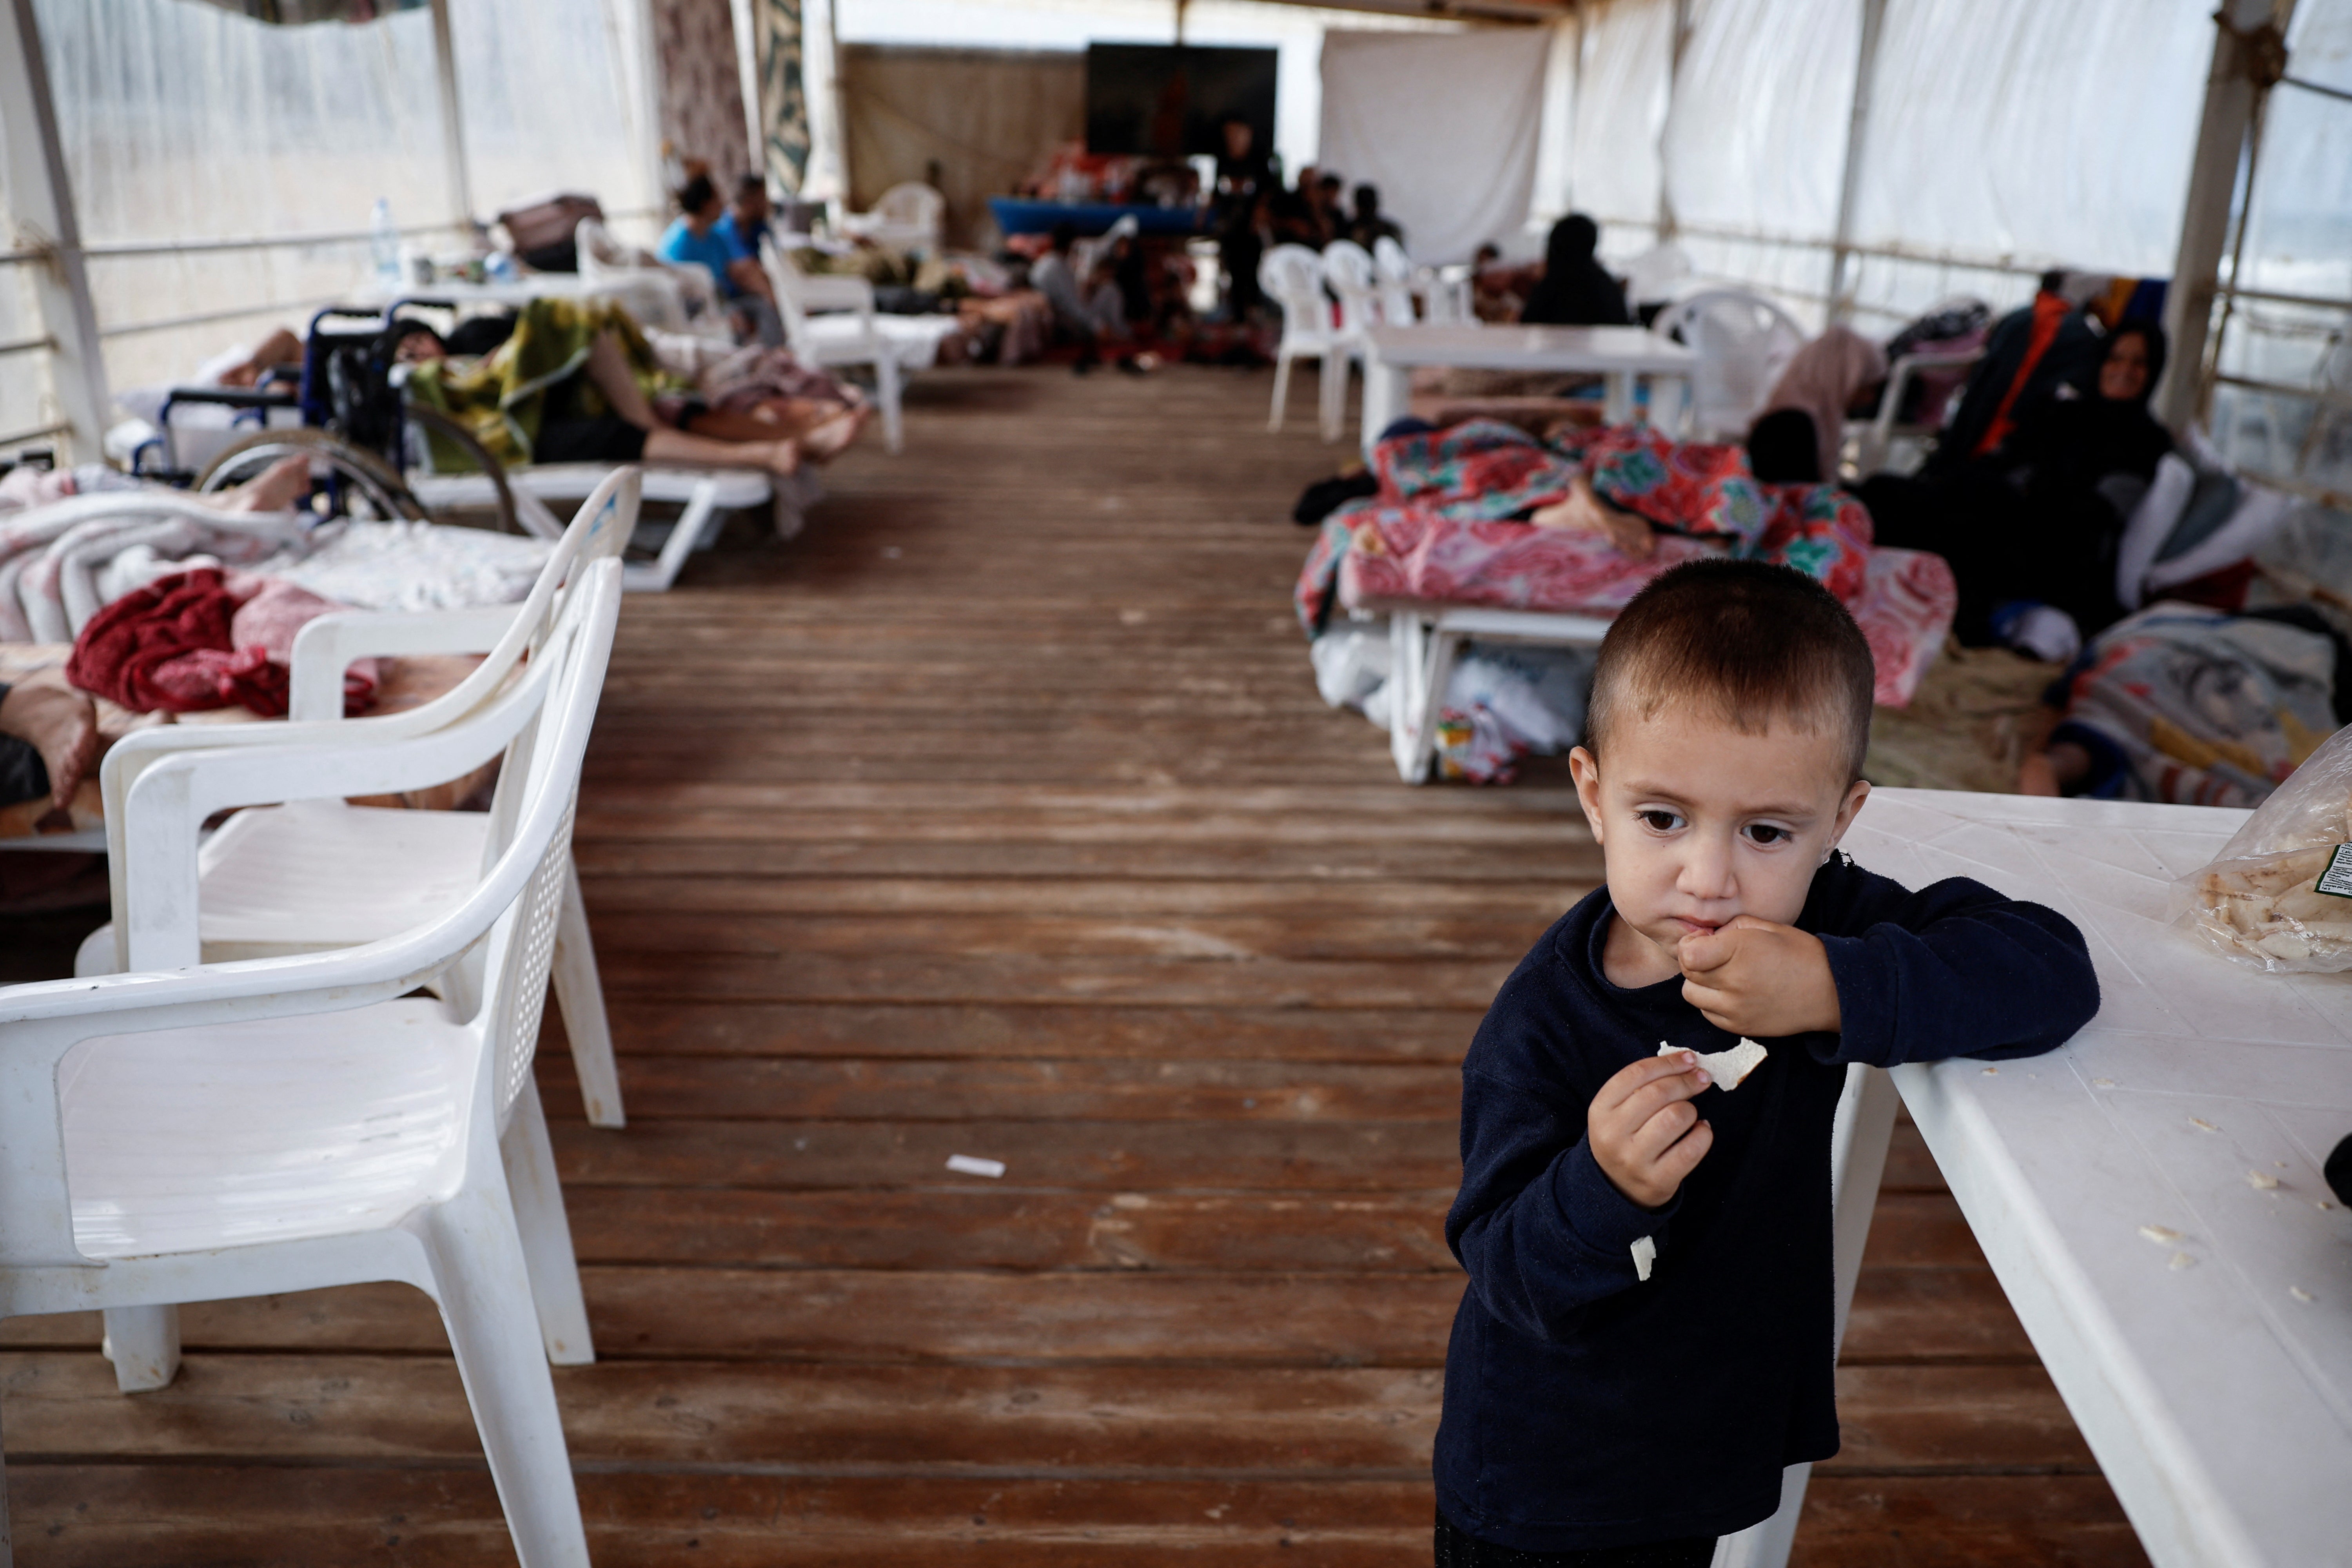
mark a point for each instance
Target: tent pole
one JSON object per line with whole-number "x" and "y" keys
{"x": 1843, "y": 284}
{"x": 2231, "y": 98}
{"x": 40, "y": 197}
{"x": 453, "y": 120}
{"x": 747, "y": 73}
{"x": 1666, "y": 223}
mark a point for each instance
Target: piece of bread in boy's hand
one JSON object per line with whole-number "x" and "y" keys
{"x": 1726, "y": 1070}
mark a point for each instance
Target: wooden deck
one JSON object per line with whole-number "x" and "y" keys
{"x": 997, "y": 816}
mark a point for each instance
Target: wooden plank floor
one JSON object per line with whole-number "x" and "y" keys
{"x": 998, "y": 816}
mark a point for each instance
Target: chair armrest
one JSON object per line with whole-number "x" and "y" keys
{"x": 828, "y": 292}
{"x": 325, "y": 648}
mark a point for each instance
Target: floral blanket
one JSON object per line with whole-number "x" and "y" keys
{"x": 1440, "y": 533}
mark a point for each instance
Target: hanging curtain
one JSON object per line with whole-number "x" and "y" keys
{"x": 778, "y": 38}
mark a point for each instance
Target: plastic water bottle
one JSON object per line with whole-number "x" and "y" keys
{"x": 383, "y": 243}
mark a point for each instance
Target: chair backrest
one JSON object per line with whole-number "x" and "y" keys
{"x": 151, "y": 871}
{"x": 1292, "y": 276}
{"x": 1347, "y": 268}
{"x": 1653, "y": 275}
{"x": 912, "y": 204}
{"x": 1395, "y": 269}
{"x": 543, "y": 765}
{"x": 1743, "y": 340}
{"x": 786, "y": 276}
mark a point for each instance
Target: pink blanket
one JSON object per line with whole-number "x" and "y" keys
{"x": 1408, "y": 556}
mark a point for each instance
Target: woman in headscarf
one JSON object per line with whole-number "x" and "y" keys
{"x": 2032, "y": 531}
{"x": 1795, "y": 440}
{"x": 1576, "y": 289}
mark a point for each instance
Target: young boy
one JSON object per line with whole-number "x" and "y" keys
{"x": 1594, "y": 1416}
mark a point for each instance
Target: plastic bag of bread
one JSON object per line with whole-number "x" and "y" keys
{"x": 2279, "y": 896}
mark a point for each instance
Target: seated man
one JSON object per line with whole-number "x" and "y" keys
{"x": 693, "y": 235}
{"x": 1369, "y": 227}
{"x": 749, "y": 219}
{"x": 1085, "y": 310}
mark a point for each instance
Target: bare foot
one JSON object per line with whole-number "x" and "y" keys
{"x": 282, "y": 487}
{"x": 1586, "y": 512}
{"x": 60, "y": 724}
{"x": 782, "y": 457}
{"x": 2035, "y": 776}
{"x": 829, "y": 439}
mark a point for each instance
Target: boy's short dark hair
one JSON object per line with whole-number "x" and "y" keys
{"x": 1758, "y": 641}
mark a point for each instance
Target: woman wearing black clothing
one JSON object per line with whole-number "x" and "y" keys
{"x": 1576, "y": 291}
{"x": 2037, "y": 522}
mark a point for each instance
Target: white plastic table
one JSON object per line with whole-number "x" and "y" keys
{"x": 1617, "y": 354}
{"x": 2216, "y": 1392}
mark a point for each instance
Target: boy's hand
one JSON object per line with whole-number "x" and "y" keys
{"x": 1752, "y": 977}
{"x": 1645, "y": 1135}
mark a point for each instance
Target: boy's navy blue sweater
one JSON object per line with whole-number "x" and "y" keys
{"x": 1585, "y": 1409}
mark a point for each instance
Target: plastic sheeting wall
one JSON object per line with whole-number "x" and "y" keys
{"x": 1445, "y": 126}
{"x": 2006, "y": 136}
{"x": 2298, "y": 242}
{"x": 183, "y": 124}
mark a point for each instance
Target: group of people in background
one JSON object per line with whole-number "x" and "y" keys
{"x": 1251, "y": 211}
{"x": 722, "y": 236}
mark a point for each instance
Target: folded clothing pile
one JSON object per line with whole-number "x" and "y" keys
{"x": 205, "y": 639}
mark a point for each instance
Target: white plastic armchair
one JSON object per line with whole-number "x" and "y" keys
{"x": 1349, "y": 268}
{"x": 1880, "y": 434}
{"x": 296, "y": 1123}
{"x": 306, "y": 872}
{"x": 853, "y": 336}
{"x": 1743, "y": 340}
{"x": 907, "y": 216}
{"x": 674, "y": 298}
{"x": 1292, "y": 276}
{"x": 1394, "y": 272}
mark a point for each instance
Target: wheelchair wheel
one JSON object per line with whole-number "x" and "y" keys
{"x": 435, "y": 424}
{"x": 356, "y": 481}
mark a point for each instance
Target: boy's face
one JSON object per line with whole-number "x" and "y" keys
{"x": 1699, "y": 821}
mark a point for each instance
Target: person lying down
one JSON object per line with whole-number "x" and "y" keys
{"x": 579, "y": 382}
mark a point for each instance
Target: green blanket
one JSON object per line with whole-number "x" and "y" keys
{"x": 501, "y": 398}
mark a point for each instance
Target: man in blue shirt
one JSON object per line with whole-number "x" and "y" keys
{"x": 743, "y": 285}
{"x": 747, "y": 219}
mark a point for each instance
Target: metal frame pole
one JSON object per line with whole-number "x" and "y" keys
{"x": 40, "y": 197}
{"x": 1683, "y": 27}
{"x": 459, "y": 174}
{"x": 1843, "y": 284}
{"x": 2231, "y": 99}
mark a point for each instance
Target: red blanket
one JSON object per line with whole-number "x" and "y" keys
{"x": 200, "y": 639}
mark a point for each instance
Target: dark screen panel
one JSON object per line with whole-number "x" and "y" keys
{"x": 1168, "y": 101}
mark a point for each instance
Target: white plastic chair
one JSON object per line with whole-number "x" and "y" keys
{"x": 1743, "y": 340}
{"x": 675, "y": 299}
{"x": 853, "y": 334}
{"x": 1394, "y": 272}
{"x": 312, "y": 873}
{"x": 1878, "y": 435}
{"x": 1292, "y": 276}
{"x": 907, "y": 216}
{"x": 1656, "y": 274}
{"x": 296, "y": 1123}
{"x": 1349, "y": 268}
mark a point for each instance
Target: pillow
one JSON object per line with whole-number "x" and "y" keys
{"x": 2151, "y": 525}
{"x": 2214, "y": 501}
{"x": 2256, "y": 517}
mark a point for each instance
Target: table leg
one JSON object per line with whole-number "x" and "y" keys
{"x": 1388, "y": 393}
{"x": 1858, "y": 1141}
{"x": 1617, "y": 402}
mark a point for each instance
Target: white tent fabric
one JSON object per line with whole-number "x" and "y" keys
{"x": 1445, "y": 125}
{"x": 1625, "y": 66}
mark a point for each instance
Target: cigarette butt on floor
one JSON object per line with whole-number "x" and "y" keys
{"x": 972, "y": 1165}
